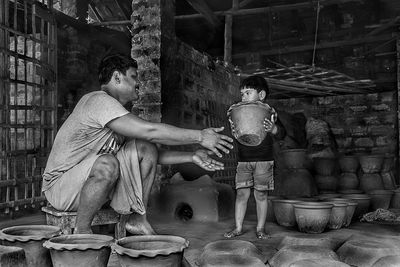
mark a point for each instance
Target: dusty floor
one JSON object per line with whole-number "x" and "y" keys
{"x": 201, "y": 233}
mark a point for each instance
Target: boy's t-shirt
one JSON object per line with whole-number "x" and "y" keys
{"x": 84, "y": 133}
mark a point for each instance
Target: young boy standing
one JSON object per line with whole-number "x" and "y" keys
{"x": 255, "y": 163}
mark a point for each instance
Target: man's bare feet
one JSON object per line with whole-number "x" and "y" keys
{"x": 138, "y": 225}
{"x": 233, "y": 233}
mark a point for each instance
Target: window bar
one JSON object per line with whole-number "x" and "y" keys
{"x": 6, "y": 73}
{"x": 26, "y": 185}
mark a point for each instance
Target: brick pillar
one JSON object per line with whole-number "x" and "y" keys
{"x": 151, "y": 20}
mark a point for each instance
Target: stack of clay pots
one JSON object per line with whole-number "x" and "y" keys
{"x": 370, "y": 178}
{"x": 325, "y": 174}
{"x": 348, "y": 179}
{"x": 387, "y": 172}
{"x": 294, "y": 179}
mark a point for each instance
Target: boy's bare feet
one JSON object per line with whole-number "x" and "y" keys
{"x": 262, "y": 235}
{"x": 233, "y": 233}
{"x": 138, "y": 225}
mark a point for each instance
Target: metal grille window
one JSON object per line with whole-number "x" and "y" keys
{"x": 28, "y": 99}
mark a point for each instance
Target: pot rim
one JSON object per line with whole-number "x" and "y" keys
{"x": 313, "y": 205}
{"x": 53, "y": 231}
{"x": 99, "y": 241}
{"x": 146, "y": 252}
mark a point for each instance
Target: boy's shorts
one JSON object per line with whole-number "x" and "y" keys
{"x": 259, "y": 175}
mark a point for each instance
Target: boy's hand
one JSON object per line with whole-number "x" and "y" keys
{"x": 212, "y": 140}
{"x": 202, "y": 159}
{"x": 269, "y": 124}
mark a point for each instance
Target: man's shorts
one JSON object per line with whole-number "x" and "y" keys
{"x": 259, "y": 175}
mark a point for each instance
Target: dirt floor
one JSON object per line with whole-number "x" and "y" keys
{"x": 201, "y": 233}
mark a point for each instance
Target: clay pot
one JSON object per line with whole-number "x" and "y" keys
{"x": 270, "y": 209}
{"x": 364, "y": 252}
{"x": 395, "y": 203}
{"x": 290, "y": 254}
{"x": 284, "y": 211}
{"x": 371, "y": 163}
{"x": 328, "y": 182}
{"x": 150, "y": 250}
{"x": 371, "y": 181}
{"x": 363, "y": 203}
{"x": 388, "y": 180}
{"x": 350, "y": 191}
{"x": 31, "y": 239}
{"x": 348, "y": 180}
{"x": 80, "y": 250}
{"x": 309, "y": 240}
{"x": 231, "y": 261}
{"x": 294, "y": 158}
{"x": 350, "y": 208}
{"x": 380, "y": 199}
{"x": 312, "y": 217}
{"x": 249, "y": 132}
{"x": 338, "y": 215}
{"x": 322, "y": 197}
{"x": 229, "y": 248}
{"x": 388, "y": 163}
{"x": 295, "y": 182}
{"x": 348, "y": 163}
{"x": 324, "y": 166}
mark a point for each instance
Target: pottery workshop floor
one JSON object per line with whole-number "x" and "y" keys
{"x": 200, "y": 233}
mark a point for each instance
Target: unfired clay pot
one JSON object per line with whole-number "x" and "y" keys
{"x": 80, "y": 250}
{"x": 350, "y": 208}
{"x": 371, "y": 181}
{"x": 31, "y": 239}
{"x": 294, "y": 158}
{"x": 338, "y": 215}
{"x": 363, "y": 204}
{"x": 388, "y": 261}
{"x": 380, "y": 199}
{"x": 326, "y": 182}
{"x": 150, "y": 250}
{"x": 312, "y": 217}
{"x": 348, "y": 163}
{"x": 371, "y": 163}
{"x": 284, "y": 211}
{"x": 348, "y": 180}
{"x": 324, "y": 166}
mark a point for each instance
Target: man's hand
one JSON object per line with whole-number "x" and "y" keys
{"x": 269, "y": 124}
{"x": 201, "y": 158}
{"x": 212, "y": 140}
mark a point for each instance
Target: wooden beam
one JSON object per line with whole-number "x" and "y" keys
{"x": 384, "y": 26}
{"x": 228, "y": 33}
{"x": 324, "y": 45}
{"x": 111, "y": 23}
{"x": 202, "y": 7}
{"x": 261, "y": 10}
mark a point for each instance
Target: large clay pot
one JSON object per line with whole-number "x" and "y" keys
{"x": 348, "y": 180}
{"x": 364, "y": 252}
{"x": 363, "y": 203}
{"x": 388, "y": 180}
{"x": 388, "y": 163}
{"x": 350, "y": 208}
{"x": 310, "y": 240}
{"x": 31, "y": 238}
{"x": 395, "y": 203}
{"x": 371, "y": 163}
{"x": 318, "y": 263}
{"x": 295, "y": 182}
{"x": 284, "y": 211}
{"x": 80, "y": 250}
{"x": 151, "y": 250}
{"x": 322, "y": 197}
{"x": 229, "y": 248}
{"x": 312, "y": 217}
{"x": 326, "y": 182}
{"x": 294, "y": 158}
{"x": 380, "y": 199}
{"x": 290, "y": 254}
{"x": 371, "y": 181}
{"x": 348, "y": 163}
{"x": 338, "y": 215}
{"x": 324, "y": 166}
{"x": 248, "y": 120}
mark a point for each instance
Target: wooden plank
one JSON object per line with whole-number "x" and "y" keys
{"x": 324, "y": 45}
{"x": 277, "y": 8}
{"x": 202, "y": 7}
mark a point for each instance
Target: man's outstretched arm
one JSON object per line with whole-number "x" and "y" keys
{"x": 132, "y": 126}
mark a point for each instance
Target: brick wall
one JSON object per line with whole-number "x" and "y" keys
{"x": 359, "y": 123}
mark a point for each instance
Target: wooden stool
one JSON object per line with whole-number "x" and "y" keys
{"x": 66, "y": 220}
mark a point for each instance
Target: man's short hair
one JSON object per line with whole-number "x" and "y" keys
{"x": 256, "y": 82}
{"x": 115, "y": 62}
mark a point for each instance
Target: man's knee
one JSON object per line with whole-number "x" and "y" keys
{"x": 146, "y": 150}
{"x": 243, "y": 193}
{"x": 106, "y": 167}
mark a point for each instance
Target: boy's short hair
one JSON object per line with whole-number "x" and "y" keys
{"x": 256, "y": 82}
{"x": 114, "y": 62}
